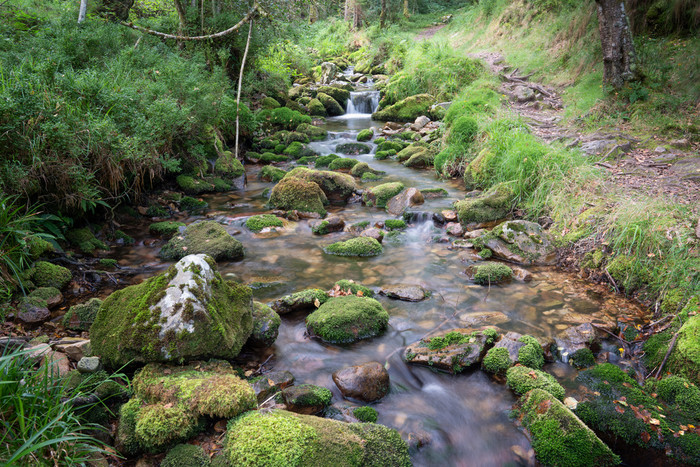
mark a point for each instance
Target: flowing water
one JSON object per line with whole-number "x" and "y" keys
{"x": 465, "y": 417}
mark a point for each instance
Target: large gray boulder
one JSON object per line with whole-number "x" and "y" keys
{"x": 522, "y": 242}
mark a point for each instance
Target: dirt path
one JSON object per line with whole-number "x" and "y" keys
{"x": 429, "y": 32}
{"x": 674, "y": 172}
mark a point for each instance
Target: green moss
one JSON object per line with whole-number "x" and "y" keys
{"x": 492, "y": 273}
{"x": 313, "y": 132}
{"x": 333, "y": 108}
{"x": 208, "y": 237}
{"x": 228, "y": 166}
{"x": 582, "y": 358}
{"x": 293, "y": 193}
{"x": 360, "y": 246}
{"x": 342, "y": 320}
{"x": 282, "y": 118}
{"x": 559, "y": 438}
{"x": 158, "y": 426}
{"x": 360, "y": 225}
{"x": 190, "y": 204}
{"x": 497, "y": 360}
{"x": 307, "y": 395}
{"x": 266, "y": 324}
{"x": 166, "y": 228}
{"x": 485, "y": 253}
{"x": 493, "y": 205}
{"x": 382, "y": 155}
{"x": 379, "y": 140}
{"x": 294, "y": 150}
{"x": 80, "y": 317}
{"x": 336, "y": 186}
{"x": 85, "y": 240}
{"x": 156, "y": 210}
{"x": 353, "y": 148}
{"x": 678, "y": 391}
{"x": 531, "y": 354}
{"x": 395, "y": 224}
{"x": 186, "y": 455}
{"x": 262, "y": 221}
{"x": 365, "y": 414}
{"x": 370, "y": 177}
{"x": 321, "y": 228}
{"x": 354, "y": 287}
{"x": 271, "y": 157}
{"x": 193, "y": 186}
{"x": 627, "y": 272}
{"x": 325, "y": 161}
{"x": 406, "y": 110}
{"x": 303, "y": 300}
{"x": 269, "y": 103}
{"x": 522, "y": 379}
{"x": 343, "y": 163}
{"x": 451, "y": 338}
{"x": 339, "y": 94}
{"x": 381, "y": 194}
{"x": 685, "y": 358}
{"x": 316, "y": 108}
{"x": 45, "y": 293}
{"x": 358, "y": 170}
{"x": 390, "y": 146}
{"x": 365, "y": 135}
{"x": 45, "y": 274}
{"x": 37, "y": 246}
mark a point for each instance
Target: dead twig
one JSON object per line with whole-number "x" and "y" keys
{"x": 671, "y": 345}
{"x": 607, "y": 273}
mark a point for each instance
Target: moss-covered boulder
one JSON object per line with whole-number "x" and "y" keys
{"x": 165, "y": 228}
{"x": 685, "y": 356}
{"x": 421, "y": 159}
{"x": 80, "y": 317}
{"x": 294, "y": 193}
{"x": 617, "y": 408}
{"x": 353, "y": 287}
{"x": 382, "y": 155}
{"x": 522, "y": 379}
{"x": 491, "y": 206}
{"x": 360, "y": 246}
{"x": 340, "y": 95}
{"x": 316, "y": 108}
{"x": 406, "y": 110}
{"x": 263, "y": 221}
{"x": 353, "y": 149}
{"x": 307, "y": 399}
{"x": 362, "y": 168}
{"x": 206, "y": 237}
{"x": 489, "y": 273}
{"x": 272, "y": 174}
{"x": 186, "y": 455}
{"x": 379, "y": 195}
{"x": 325, "y": 161}
{"x": 269, "y": 103}
{"x": 454, "y": 351}
{"x": 336, "y": 187}
{"x": 343, "y": 163}
{"x": 392, "y": 145}
{"x": 313, "y": 132}
{"x": 85, "y": 240}
{"x": 365, "y": 135}
{"x": 284, "y": 439}
{"x": 266, "y": 325}
{"x": 192, "y": 205}
{"x": 45, "y": 274}
{"x": 333, "y": 108}
{"x": 305, "y": 300}
{"x": 187, "y": 312}
{"x": 497, "y": 360}
{"x": 521, "y": 242}
{"x": 229, "y": 167}
{"x": 346, "y": 319}
{"x": 193, "y": 185}
{"x": 558, "y": 437}
{"x": 294, "y": 150}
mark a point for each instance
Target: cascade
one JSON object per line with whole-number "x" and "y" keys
{"x": 363, "y": 102}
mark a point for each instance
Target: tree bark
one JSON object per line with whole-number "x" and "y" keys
{"x": 616, "y": 41}
{"x": 382, "y": 15}
{"x": 83, "y": 11}
{"x": 181, "y": 15}
{"x": 405, "y": 9}
{"x": 240, "y": 82}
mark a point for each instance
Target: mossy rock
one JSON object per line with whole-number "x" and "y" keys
{"x": 454, "y": 350}
{"x": 269, "y": 103}
{"x": 307, "y": 398}
{"x": 325, "y": 161}
{"x": 313, "y": 132}
{"x": 362, "y": 168}
{"x": 85, "y": 240}
{"x": 406, "y": 110}
{"x": 395, "y": 224}
{"x": 296, "y": 92}
{"x": 266, "y": 324}
{"x": 229, "y": 167}
{"x": 353, "y": 287}
{"x": 343, "y": 163}
{"x": 353, "y": 149}
{"x": 615, "y": 406}
{"x": 365, "y": 414}
{"x": 316, "y": 108}
{"x": 294, "y": 150}
{"x": 531, "y": 354}
{"x": 193, "y": 185}
{"x": 522, "y": 379}
{"x": 51, "y": 295}
{"x": 284, "y": 439}
{"x": 421, "y": 159}
{"x": 365, "y": 135}
{"x": 520, "y": 242}
{"x": 360, "y": 246}
{"x": 582, "y": 358}
{"x": 558, "y": 437}
{"x": 431, "y": 193}
{"x": 491, "y": 206}
{"x": 370, "y": 177}
{"x": 187, "y": 312}
{"x": 333, "y": 108}
{"x": 293, "y": 193}
{"x": 382, "y": 155}
{"x": 340, "y": 95}
{"x": 300, "y": 301}
{"x": 38, "y": 247}
{"x": 381, "y": 194}
{"x": 186, "y": 455}
{"x": 397, "y": 146}
{"x": 80, "y": 317}
{"x": 288, "y": 137}
{"x": 497, "y": 360}
{"x": 190, "y": 204}
{"x": 347, "y": 319}
{"x": 491, "y": 273}
{"x": 679, "y": 392}
{"x": 336, "y": 187}
{"x": 263, "y": 221}
{"x": 208, "y": 237}
{"x": 268, "y": 157}
{"x": 45, "y": 274}
{"x": 165, "y": 228}
{"x": 628, "y": 272}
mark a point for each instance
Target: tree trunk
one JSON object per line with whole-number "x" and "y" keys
{"x": 382, "y": 15}
{"x": 405, "y": 9}
{"x": 83, "y": 10}
{"x": 346, "y": 12}
{"x": 181, "y": 15}
{"x": 240, "y": 82}
{"x": 616, "y": 41}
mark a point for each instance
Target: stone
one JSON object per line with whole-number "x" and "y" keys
{"x": 306, "y": 399}
{"x": 347, "y": 319}
{"x": 185, "y": 313}
{"x": 328, "y": 225}
{"x": 523, "y": 94}
{"x": 407, "y": 198}
{"x": 358, "y": 246}
{"x": 74, "y": 348}
{"x": 520, "y": 274}
{"x": 419, "y": 123}
{"x": 206, "y": 237}
{"x": 449, "y": 215}
{"x": 37, "y": 352}
{"x": 455, "y": 229}
{"x": 51, "y": 295}
{"x": 368, "y": 382}
{"x": 266, "y": 325}
{"x": 328, "y": 72}
{"x": 522, "y": 242}
{"x": 575, "y": 338}
{"x": 407, "y": 293}
{"x": 374, "y": 233}
{"x": 493, "y": 205}
{"x": 271, "y": 383}
{"x": 57, "y": 362}
{"x": 570, "y": 403}
{"x": 406, "y": 110}
{"x": 81, "y": 316}
{"x": 304, "y": 300}
{"x": 33, "y": 313}
{"x": 483, "y": 318}
{"x": 453, "y": 351}
{"x": 89, "y": 365}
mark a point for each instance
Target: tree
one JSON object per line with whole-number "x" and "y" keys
{"x": 382, "y": 15}
{"x": 83, "y": 10}
{"x": 406, "y": 14}
{"x": 616, "y": 41}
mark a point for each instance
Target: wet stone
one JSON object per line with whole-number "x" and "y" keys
{"x": 272, "y": 383}
{"x": 575, "y": 338}
{"x": 33, "y": 314}
{"x": 449, "y": 215}
{"x": 374, "y": 233}
{"x": 462, "y": 349}
{"x": 455, "y": 229}
{"x": 408, "y": 293}
{"x": 407, "y": 198}
{"x": 483, "y": 318}
{"x": 306, "y": 399}
{"x": 368, "y": 382}
{"x": 89, "y": 365}
{"x": 74, "y": 348}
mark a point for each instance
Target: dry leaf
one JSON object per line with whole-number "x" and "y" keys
{"x": 359, "y": 293}
{"x": 645, "y": 436}
{"x": 317, "y": 303}
{"x": 654, "y": 421}
{"x": 532, "y": 375}
{"x": 619, "y": 409}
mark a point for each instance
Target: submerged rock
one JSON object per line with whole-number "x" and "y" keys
{"x": 306, "y": 399}
{"x": 408, "y": 293}
{"x": 266, "y": 324}
{"x": 188, "y": 312}
{"x": 300, "y": 301}
{"x": 359, "y": 246}
{"x": 368, "y": 382}
{"x": 453, "y": 351}
{"x": 328, "y": 225}
{"x": 271, "y": 383}
{"x": 346, "y": 319}
{"x": 206, "y": 237}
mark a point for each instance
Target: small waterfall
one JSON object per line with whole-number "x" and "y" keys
{"x": 363, "y": 102}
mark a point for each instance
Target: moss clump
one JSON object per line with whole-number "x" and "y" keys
{"x": 333, "y": 108}
{"x": 395, "y": 224}
{"x": 293, "y": 193}
{"x": 342, "y": 320}
{"x": 263, "y": 221}
{"x": 37, "y": 246}
{"x": 284, "y": 439}
{"x": 186, "y": 455}
{"x": 229, "y": 167}
{"x": 406, "y": 110}
{"x": 294, "y": 150}
{"x": 582, "y": 358}
{"x": 365, "y": 414}
{"x": 559, "y": 438}
{"x": 304, "y": 300}
{"x": 492, "y": 273}
{"x": 531, "y": 354}
{"x": 370, "y": 177}
{"x": 358, "y": 170}
{"x": 307, "y": 396}
{"x": 272, "y": 157}
{"x": 392, "y": 146}
{"x": 382, "y": 155}
{"x": 206, "y": 237}
{"x": 166, "y": 228}
{"x": 269, "y": 103}
{"x": 190, "y": 204}
{"x": 343, "y": 163}
{"x": 497, "y": 360}
{"x": 628, "y": 272}
{"x": 353, "y": 149}
{"x": 339, "y": 94}
{"x": 493, "y": 205}
{"x": 316, "y": 108}
{"x": 679, "y": 391}
{"x": 360, "y": 246}
{"x": 313, "y": 132}
{"x": 193, "y": 186}
{"x": 381, "y": 194}
{"x": 46, "y": 293}
{"x": 80, "y": 317}
{"x": 155, "y": 427}
{"x": 336, "y": 186}
{"x": 522, "y": 379}
{"x": 45, "y": 274}
{"x": 451, "y": 338}
{"x": 325, "y": 161}
{"x": 353, "y": 287}
{"x": 321, "y": 228}
{"x": 266, "y": 324}
{"x": 365, "y": 135}
{"x": 282, "y": 118}
{"x": 85, "y": 240}
{"x": 272, "y": 174}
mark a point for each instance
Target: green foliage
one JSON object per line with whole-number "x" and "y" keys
{"x": 582, "y": 358}
{"x": 522, "y": 379}
{"x": 451, "y": 338}
{"x": 262, "y": 221}
{"x": 463, "y": 131}
{"x": 497, "y": 360}
{"x": 360, "y": 246}
{"x": 365, "y": 414}
{"x": 186, "y": 455}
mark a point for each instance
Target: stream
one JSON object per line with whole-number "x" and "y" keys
{"x": 463, "y": 419}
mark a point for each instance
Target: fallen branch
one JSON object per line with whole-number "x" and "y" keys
{"x": 668, "y": 354}
{"x": 612, "y": 280}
